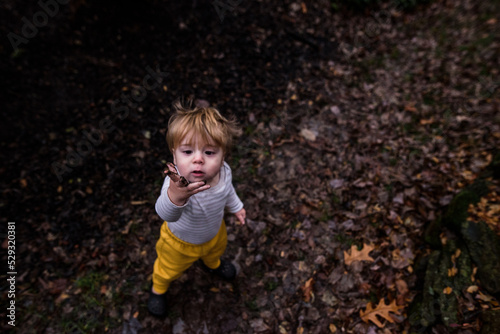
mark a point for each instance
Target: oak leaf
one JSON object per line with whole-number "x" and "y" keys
{"x": 356, "y": 255}
{"x": 381, "y": 310}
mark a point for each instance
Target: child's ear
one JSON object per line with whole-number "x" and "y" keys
{"x": 173, "y": 154}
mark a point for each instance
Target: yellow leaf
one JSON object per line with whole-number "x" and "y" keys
{"x": 214, "y": 289}
{"x": 356, "y": 255}
{"x": 333, "y": 328}
{"x": 452, "y": 272}
{"x": 382, "y": 310}
{"x": 447, "y": 290}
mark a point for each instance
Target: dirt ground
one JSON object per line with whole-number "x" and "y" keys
{"x": 358, "y": 130}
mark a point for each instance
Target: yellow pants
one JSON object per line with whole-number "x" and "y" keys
{"x": 176, "y": 256}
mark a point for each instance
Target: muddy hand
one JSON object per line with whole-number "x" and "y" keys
{"x": 171, "y": 172}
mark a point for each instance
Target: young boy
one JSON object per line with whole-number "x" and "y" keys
{"x": 193, "y": 225}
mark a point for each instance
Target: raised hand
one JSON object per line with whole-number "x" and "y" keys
{"x": 180, "y": 188}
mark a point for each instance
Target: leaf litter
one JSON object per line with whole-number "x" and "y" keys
{"x": 340, "y": 151}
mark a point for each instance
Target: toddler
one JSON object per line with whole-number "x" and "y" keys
{"x": 193, "y": 225}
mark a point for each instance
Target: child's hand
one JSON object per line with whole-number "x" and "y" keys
{"x": 179, "y": 193}
{"x": 241, "y": 215}
{"x": 181, "y": 189}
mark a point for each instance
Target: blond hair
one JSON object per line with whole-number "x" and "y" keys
{"x": 205, "y": 122}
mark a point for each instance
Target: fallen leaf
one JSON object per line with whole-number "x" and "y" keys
{"x": 304, "y": 8}
{"x": 472, "y": 288}
{"x": 447, "y": 290}
{"x": 410, "y": 107}
{"x": 308, "y": 134}
{"x": 452, "y": 272}
{"x": 402, "y": 287}
{"x": 138, "y": 202}
{"x": 356, "y": 255}
{"x": 484, "y": 297}
{"x": 307, "y": 290}
{"x": 382, "y": 310}
{"x": 63, "y": 296}
{"x": 427, "y": 121}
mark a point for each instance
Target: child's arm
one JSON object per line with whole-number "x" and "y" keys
{"x": 235, "y": 205}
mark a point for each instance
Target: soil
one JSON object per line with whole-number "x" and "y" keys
{"x": 358, "y": 128}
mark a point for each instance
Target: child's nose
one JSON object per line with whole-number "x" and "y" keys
{"x": 198, "y": 157}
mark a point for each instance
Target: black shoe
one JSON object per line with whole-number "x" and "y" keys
{"x": 226, "y": 270}
{"x": 157, "y": 304}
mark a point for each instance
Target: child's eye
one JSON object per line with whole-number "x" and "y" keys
{"x": 209, "y": 152}
{"x": 188, "y": 151}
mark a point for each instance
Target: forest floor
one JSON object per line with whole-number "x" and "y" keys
{"x": 358, "y": 130}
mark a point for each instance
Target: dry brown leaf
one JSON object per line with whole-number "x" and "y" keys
{"x": 484, "y": 297}
{"x": 356, "y": 255}
{"x": 402, "y": 287}
{"x": 382, "y": 310}
{"x": 304, "y": 8}
{"x": 410, "y": 107}
{"x": 307, "y": 290}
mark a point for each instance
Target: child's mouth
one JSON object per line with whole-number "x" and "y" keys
{"x": 197, "y": 173}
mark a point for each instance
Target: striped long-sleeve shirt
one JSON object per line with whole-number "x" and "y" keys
{"x": 199, "y": 219}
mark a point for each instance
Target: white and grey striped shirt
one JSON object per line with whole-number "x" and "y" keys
{"x": 199, "y": 220}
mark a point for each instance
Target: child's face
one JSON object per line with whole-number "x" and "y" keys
{"x": 197, "y": 160}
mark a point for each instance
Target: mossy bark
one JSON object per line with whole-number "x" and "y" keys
{"x": 484, "y": 248}
{"x": 478, "y": 245}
